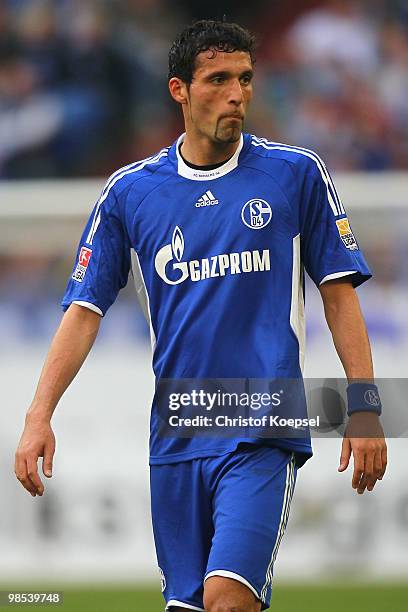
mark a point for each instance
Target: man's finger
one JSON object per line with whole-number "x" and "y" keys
{"x": 384, "y": 459}
{"x": 377, "y": 470}
{"x": 20, "y": 467}
{"x": 32, "y": 473}
{"x": 378, "y": 465}
{"x": 345, "y": 455}
{"x": 22, "y": 476}
{"x": 358, "y": 469}
{"x": 47, "y": 461}
{"x": 368, "y": 481}
{"x": 28, "y": 485}
{"x": 20, "y": 470}
{"x": 362, "y": 484}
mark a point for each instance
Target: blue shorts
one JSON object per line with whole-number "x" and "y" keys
{"x": 221, "y": 516}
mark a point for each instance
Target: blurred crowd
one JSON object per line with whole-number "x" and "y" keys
{"x": 337, "y": 81}
{"x": 83, "y": 85}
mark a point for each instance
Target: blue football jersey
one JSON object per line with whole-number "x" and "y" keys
{"x": 218, "y": 258}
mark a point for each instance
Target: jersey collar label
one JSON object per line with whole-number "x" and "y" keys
{"x": 206, "y": 175}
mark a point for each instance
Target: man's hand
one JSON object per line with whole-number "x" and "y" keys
{"x": 69, "y": 348}
{"x": 37, "y": 440}
{"x": 364, "y": 437}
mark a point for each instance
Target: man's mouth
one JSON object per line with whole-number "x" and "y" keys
{"x": 236, "y": 117}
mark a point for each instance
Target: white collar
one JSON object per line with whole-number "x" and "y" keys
{"x": 206, "y": 175}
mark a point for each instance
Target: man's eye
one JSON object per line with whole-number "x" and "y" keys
{"x": 218, "y": 80}
{"x": 246, "y": 80}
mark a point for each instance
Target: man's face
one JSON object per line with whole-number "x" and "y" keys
{"x": 219, "y": 95}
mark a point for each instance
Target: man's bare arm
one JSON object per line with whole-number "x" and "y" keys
{"x": 69, "y": 349}
{"x": 346, "y": 323}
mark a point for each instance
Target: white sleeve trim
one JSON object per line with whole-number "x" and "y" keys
{"x": 337, "y": 275}
{"x": 90, "y": 306}
{"x": 181, "y": 604}
{"x": 233, "y": 576}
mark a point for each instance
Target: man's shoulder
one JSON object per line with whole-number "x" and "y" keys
{"x": 299, "y": 158}
{"x": 128, "y": 175}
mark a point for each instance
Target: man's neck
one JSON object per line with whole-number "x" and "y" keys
{"x": 203, "y": 152}
{"x": 200, "y": 167}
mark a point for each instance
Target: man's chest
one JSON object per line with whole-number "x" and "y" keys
{"x": 244, "y": 211}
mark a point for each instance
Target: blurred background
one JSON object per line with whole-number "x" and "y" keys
{"x": 83, "y": 91}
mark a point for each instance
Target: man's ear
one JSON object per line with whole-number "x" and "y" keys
{"x": 178, "y": 90}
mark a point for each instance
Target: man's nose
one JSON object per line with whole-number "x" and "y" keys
{"x": 235, "y": 92}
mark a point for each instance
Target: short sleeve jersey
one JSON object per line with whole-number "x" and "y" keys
{"x": 218, "y": 259}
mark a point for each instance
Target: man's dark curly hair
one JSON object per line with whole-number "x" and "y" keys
{"x": 204, "y": 35}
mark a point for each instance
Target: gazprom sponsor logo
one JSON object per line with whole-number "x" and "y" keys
{"x": 170, "y": 267}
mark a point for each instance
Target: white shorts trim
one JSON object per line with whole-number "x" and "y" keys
{"x": 233, "y": 576}
{"x": 181, "y": 604}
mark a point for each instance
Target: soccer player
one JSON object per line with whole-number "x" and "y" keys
{"x": 217, "y": 230}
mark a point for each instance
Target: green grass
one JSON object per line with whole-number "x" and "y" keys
{"x": 286, "y": 598}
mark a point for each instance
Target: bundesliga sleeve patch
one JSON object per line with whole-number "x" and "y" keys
{"x": 82, "y": 265}
{"x": 346, "y": 234}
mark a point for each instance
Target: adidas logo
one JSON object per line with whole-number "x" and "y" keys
{"x": 207, "y": 199}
